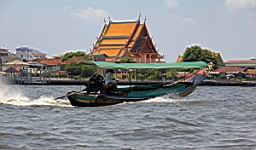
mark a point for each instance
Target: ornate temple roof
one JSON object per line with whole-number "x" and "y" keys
{"x": 119, "y": 38}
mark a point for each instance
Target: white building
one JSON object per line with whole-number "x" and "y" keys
{"x": 27, "y": 53}
{"x": 6, "y": 56}
{"x": 3, "y": 51}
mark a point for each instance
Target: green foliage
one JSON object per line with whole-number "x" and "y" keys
{"x": 80, "y": 54}
{"x": 79, "y": 70}
{"x": 52, "y": 75}
{"x": 171, "y": 74}
{"x": 155, "y": 75}
{"x": 126, "y": 60}
{"x": 196, "y": 53}
{"x": 149, "y": 74}
{"x": 142, "y": 74}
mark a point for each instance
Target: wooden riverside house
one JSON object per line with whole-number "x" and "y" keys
{"x": 122, "y": 40}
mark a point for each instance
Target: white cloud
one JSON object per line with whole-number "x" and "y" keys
{"x": 91, "y": 13}
{"x": 172, "y": 3}
{"x": 88, "y": 14}
{"x": 240, "y": 4}
{"x": 173, "y": 6}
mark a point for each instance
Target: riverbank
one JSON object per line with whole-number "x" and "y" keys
{"x": 227, "y": 83}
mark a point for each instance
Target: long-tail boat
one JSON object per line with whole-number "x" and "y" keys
{"x": 96, "y": 95}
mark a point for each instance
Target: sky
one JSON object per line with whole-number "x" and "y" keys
{"x": 225, "y": 26}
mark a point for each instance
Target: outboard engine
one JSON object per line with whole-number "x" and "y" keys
{"x": 95, "y": 83}
{"x": 111, "y": 88}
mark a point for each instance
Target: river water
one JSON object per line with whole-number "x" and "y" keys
{"x": 210, "y": 118}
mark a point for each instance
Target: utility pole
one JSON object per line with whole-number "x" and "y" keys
{"x": 1, "y": 62}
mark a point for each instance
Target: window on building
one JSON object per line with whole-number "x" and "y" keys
{"x": 21, "y": 56}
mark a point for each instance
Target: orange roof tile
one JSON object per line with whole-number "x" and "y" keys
{"x": 113, "y": 41}
{"x": 110, "y": 47}
{"x": 136, "y": 35}
{"x": 108, "y": 52}
{"x": 50, "y": 62}
{"x": 138, "y": 31}
{"x": 120, "y": 29}
{"x": 117, "y": 38}
{"x": 114, "y": 37}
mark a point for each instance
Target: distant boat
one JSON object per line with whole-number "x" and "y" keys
{"x": 94, "y": 96}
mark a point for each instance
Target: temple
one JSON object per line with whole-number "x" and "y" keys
{"x": 125, "y": 40}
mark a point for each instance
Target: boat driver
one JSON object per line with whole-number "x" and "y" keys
{"x": 110, "y": 82}
{"x": 108, "y": 76}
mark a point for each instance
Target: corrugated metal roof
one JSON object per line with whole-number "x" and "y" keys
{"x": 26, "y": 48}
{"x": 241, "y": 61}
{"x": 229, "y": 70}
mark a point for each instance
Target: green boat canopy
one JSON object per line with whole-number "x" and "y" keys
{"x": 180, "y": 65}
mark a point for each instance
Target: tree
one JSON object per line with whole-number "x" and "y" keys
{"x": 196, "y": 53}
{"x": 171, "y": 74}
{"x": 150, "y": 74}
{"x": 81, "y": 70}
{"x": 77, "y": 68}
{"x": 80, "y": 54}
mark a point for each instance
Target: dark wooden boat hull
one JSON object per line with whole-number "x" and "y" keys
{"x": 93, "y": 100}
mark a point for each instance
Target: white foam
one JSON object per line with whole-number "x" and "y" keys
{"x": 13, "y": 96}
{"x": 163, "y": 99}
{"x": 49, "y": 101}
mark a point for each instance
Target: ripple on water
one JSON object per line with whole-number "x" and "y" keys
{"x": 209, "y": 118}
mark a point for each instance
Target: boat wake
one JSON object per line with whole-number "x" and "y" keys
{"x": 42, "y": 101}
{"x": 14, "y": 96}
{"x": 163, "y": 99}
